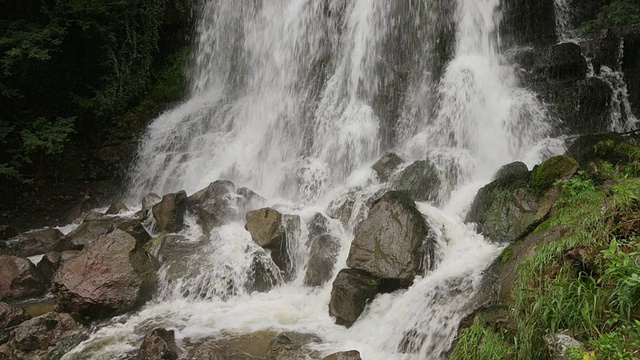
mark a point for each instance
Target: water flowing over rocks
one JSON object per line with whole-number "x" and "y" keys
{"x": 322, "y": 258}
{"x": 110, "y": 276}
{"x": 169, "y": 212}
{"x": 274, "y": 231}
{"x": 159, "y": 344}
{"x": 394, "y": 241}
{"x": 148, "y": 201}
{"x": 19, "y": 278}
{"x": 215, "y": 205}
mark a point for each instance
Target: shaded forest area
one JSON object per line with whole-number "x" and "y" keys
{"x": 78, "y": 81}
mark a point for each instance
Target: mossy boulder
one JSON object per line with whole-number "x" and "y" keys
{"x": 613, "y": 148}
{"x": 552, "y": 170}
{"x": 394, "y": 241}
{"x": 511, "y": 206}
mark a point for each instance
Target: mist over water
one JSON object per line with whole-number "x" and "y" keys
{"x": 295, "y": 99}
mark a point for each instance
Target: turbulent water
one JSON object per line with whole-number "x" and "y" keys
{"x": 296, "y": 99}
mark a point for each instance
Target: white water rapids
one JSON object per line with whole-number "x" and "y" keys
{"x": 286, "y": 100}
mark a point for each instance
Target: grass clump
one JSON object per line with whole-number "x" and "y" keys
{"x": 478, "y": 342}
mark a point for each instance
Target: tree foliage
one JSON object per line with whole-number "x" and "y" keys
{"x": 68, "y": 68}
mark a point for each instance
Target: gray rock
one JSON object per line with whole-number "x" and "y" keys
{"x": 19, "y": 278}
{"x": 116, "y": 208}
{"x": 420, "y": 180}
{"x": 169, "y": 212}
{"x": 215, "y": 205}
{"x": 322, "y": 259}
{"x": 387, "y": 165}
{"x": 352, "y": 290}
{"x": 212, "y": 350}
{"x": 149, "y": 200}
{"x": 134, "y": 228}
{"x": 109, "y": 277}
{"x": 513, "y": 169}
{"x": 513, "y": 205}
{"x": 558, "y": 344}
{"x": 528, "y": 22}
{"x": 394, "y": 241}
{"x": 264, "y": 275}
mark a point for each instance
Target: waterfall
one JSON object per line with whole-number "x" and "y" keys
{"x": 296, "y": 99}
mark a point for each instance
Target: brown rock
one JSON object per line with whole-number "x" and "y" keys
{"x": 88, "y": 232}
{"x": 169, "y": 213}
{"x": 50, "y": 263}
{"x": 159, "y": 344}
{"x": 291, "y": 345}
{"x": 211, "y": 350}
{"x": 43, "y": 332}
{"x": 19, "y": 278}
{"x": 11, "y": 316}
{"x": 344, "y": 355}
{"x": 387, "y": 165}
{"x": 38, "y": 242}
{"x": 111, "y": 276}
{"x": 274, "y": 231}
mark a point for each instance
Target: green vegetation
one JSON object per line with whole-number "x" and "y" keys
{"x": 587, "y": 281}
{"x": 619, "y": 16}
{"x": 70, "y": 70}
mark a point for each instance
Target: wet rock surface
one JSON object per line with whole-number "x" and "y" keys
{"x": 19, "y": 278}
{"x": 394, "y": 241}
{"x": 111, "y": 276}
{"x": 352, "y": 290}
{"x": 387, "y": 165}
{"x": 420, "y": 180}
{"x": 169, "y": 212}
{"x": 37, "y": 242}
{"x": 322, "y": 258}
{"x": 214, "y": 205}
{"x": 159, "y": 344}
{"x": 291, "y": 346}
{"x": 273, "y": 231}
{"x": 344, "y": 355}
{"x": 11, "y": 316}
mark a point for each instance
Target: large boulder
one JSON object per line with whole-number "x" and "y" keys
{"x": 169, "y": 212}
{"x": 38, "y": 242}
{"x": 19, "y": 278}
{"x": 420, "y": 180}
{"x": 352, "y": 290}
{"x": 322, "y": 258}
{"x": 110, "y": 276}
{"x": 513, "y": 205}
{"x": 291, "y": 346}
{"x": 215, "y": 205}
{"x": 275, "y": 232}
{"x": 159, "y": 344}
{"x": 50, "y": 263}
{"x": 387, "y": 165}
{"x": 351, "y": 207}
{"x": 394, "y": 241}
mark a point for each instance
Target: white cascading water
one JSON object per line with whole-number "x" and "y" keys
{"x": 283, "y": 101}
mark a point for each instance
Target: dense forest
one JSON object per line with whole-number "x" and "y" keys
{"x": 78, "y": 80}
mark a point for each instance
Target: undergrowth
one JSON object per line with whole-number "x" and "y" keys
{"x": 596, "y": 296}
